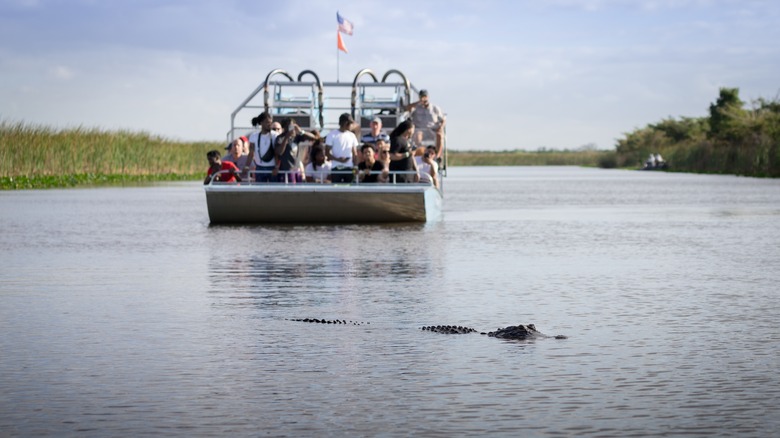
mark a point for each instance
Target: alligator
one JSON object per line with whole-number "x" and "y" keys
{"x": 512, "y": 332}
{"x": 329, "y": 321}
{"x": 517, "y": 332}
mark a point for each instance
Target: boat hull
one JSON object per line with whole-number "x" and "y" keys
{"x": 320, "y": 203}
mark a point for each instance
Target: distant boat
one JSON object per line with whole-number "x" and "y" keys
{"x": 317, "y": 105}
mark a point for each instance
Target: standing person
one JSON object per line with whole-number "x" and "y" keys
{"x": 341, "y": 149}
{"x": 429, "y": 119}
{"x": 237, "y": 154}
{"x": 261, "y": 151}
{"x": 401, "y": 152}
{"x": 286, "y": 146}
{"x": 217, "y": 165}
{"x": 375, "y": 133}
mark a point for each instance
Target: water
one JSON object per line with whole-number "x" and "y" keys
{"x": 124, "y": 313}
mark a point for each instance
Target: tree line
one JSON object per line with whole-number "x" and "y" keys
{"x": 733, "y": 139}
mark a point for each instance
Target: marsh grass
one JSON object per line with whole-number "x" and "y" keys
{"x": 589, "y": 158}
{"x": 40, "y": 157}
{"x": 43, "y": 157}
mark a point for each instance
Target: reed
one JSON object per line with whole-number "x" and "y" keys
{"x": 591, "y": 158}
{"x": 43, "y": 157}
{"x": 38, "y": 156}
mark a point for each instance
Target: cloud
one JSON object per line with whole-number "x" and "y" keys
{"x": 559, "y": 74}
{"x": 61, "y": 72}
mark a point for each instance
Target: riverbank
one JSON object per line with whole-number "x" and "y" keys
{"x": 37, "y": 157}
{"x": 735, "y": 139}
{"x": 588, "y": 158}
{"x": 34, "y": 157}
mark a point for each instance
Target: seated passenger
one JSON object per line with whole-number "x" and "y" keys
{"x": 375, "y": 133}
{"x": 217, "y": 165}
{"x": 650, "y": 162}
{"x": 319, "y": 168}
{"x": 427, "y": 167}
{"x": 370, "y": 169}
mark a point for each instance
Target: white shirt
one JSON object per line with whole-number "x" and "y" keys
{"x": 342, "y": 144}
{"x": 424, "y": 169}
{"x": 322, "y": 172}
{"x": 261, "y": 147}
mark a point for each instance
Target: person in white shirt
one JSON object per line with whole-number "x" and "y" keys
{"x": 318, "y": 170}
{"x": 341, "y": 149}
{"x": 261, "y": 151}
{"x": 427, "y": 167}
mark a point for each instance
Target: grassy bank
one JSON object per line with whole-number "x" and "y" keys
{"x": 733, "y": 139}
{"x": 42, "y": 157}
{"x": 591, "y": 158}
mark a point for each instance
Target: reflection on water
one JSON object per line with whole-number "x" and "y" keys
{"x": 125, "y": 313}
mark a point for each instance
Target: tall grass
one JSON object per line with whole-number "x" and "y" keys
{"x": 523, "y": 158}
{"x": 38, "y": 153}
{"x": 40, "y": 157}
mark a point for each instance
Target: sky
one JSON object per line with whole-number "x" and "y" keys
{"x": 522, "y": 74}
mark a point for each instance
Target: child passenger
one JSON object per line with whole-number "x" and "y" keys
{"x": 217, "y": 165}
{"x": 318, "y": 170}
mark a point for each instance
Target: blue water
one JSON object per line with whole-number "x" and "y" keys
{"x": 123, "y": 312}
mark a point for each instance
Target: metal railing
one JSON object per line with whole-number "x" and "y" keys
{"x": 285, "y": 177}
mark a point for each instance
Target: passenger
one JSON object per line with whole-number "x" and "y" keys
{"x": 370, "y": 169}
{"x": 305, "y": 147}
{"x": 383, "y": 156}
{"x": 237, "y": 154}
{"x": 401, "y": 153}
{"x": 246, "y": 145}
{"x": 427, "y": 167}
{"x": 261, "y": 152}
{"x": 287, "y": 147}
{"x": 217, "y": 165}
{"x": 375, "y": 134}
{"x": 341, "y": 149}
{"x": 417, "y": 143}
{"x": 355, "y": 128}
{"x": 650, "y": 163}
{"x": 429, "y": 119}
{"x": 319, "y": 168}
{"x": 659, "y": 161}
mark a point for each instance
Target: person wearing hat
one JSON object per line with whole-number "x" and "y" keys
{"x": 341, "y": 149}
{"x": 375, "y": 134}
{"x": 428, "y": 119}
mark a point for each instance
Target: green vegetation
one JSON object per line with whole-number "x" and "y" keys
{"x": 582, "y": 157}
{"x": 732, "y": 140}
{"x": 41, "y": 157}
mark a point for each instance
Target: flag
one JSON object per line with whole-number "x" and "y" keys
{"x": 345, "y": 25}
{"x": 340, "y": 43}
